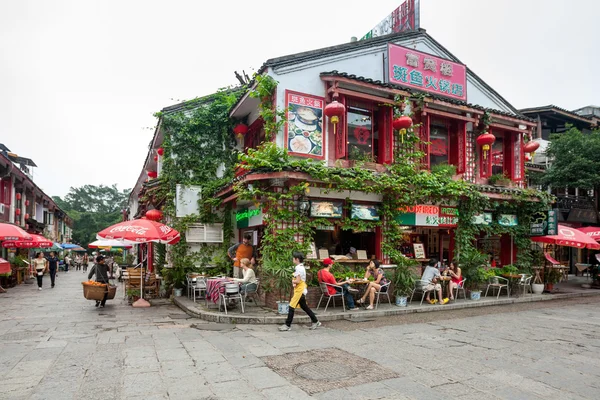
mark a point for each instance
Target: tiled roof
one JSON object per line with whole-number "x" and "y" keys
{"x": 198, "y": 101}
{"x": 414, "y": 91}
{"x": 552, "y": 107}
{"x": 498, "y": 189}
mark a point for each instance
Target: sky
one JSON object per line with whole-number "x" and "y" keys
{"x": 81, "y": 79}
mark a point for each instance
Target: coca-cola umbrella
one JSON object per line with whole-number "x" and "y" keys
{"x": 36, "y": 242}
{"x": 569, "y": 237}
{"x": 12, "y": 232}
{"x": 109, "y": 244}
{"x": 141, "y": 231}
{"x": 591, "y": 231}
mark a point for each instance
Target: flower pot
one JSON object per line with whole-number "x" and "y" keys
{"x": 401, "y": 301}
{"x": 283, "y": 307}
{"x": 475, "y": 294}
{"x": 549, "y": 287}
{"x": 537, "y": 288}
{"x": 177, "y": 292}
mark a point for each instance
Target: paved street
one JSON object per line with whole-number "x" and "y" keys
{"x": 56, "y": 345}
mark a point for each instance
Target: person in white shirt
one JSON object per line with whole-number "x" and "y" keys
{"x": 299, "y": 298}
{"x": 431, "y": 275}
{"x": 249, "y": 281}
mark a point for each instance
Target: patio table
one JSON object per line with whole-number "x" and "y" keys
{"x": 214, "y": 288}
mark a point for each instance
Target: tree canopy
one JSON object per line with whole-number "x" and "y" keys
{"x": 575, "y": 160}
{"x": 92, "y": 208}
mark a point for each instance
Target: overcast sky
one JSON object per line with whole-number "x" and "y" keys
{"x": 80, "y": 79}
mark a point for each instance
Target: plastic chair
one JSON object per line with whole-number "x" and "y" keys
{"x": 325, "y": 293}
{"x": 198, "y": 286}
{"x": 385, "y": 292}
{"x": 460, "y": 286}
{"x": 525, "y": 282}
{"x": 253, "y": 292}
{"x": 232, "y": 291}
{"x": 498, "y": 282}
{"x": 420, "y": 286}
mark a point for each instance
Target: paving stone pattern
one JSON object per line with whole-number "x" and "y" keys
{"x": 54, "y": 344}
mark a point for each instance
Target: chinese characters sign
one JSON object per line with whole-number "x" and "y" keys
{"x": 544, "y": 223}
{"x": 304, "y": 129}
{"x": 422, "y": 71}
{"x": 428, "y": 215}
{"x": 404, "y": 18}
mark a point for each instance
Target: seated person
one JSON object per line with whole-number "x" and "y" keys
{"x": 455, "y": 274}
{"x": 248, "y": 283}
{"x": 375, "y": 286}
{"x": 431, "y": 275}
{"x": 325, "y": 276}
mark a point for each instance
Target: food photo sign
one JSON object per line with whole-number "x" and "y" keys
{"x": 304, "y": 128}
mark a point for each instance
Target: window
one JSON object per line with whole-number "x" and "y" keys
{"x": 498, "y": 156}
{"x": 363, "y": 136}
{"x": 440, "y": 144}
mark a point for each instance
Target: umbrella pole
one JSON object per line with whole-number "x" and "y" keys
{"x": 141, "y": 302}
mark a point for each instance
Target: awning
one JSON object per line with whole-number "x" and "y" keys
{"x": 569, "y": 237}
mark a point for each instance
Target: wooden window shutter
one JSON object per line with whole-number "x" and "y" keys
{"x": 424, "y": 133}
{"x": 386, "y": 136}
{"x": 461, "y": 165}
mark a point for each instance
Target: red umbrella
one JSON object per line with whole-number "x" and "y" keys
{"x": 591, "y": 231}
{"x": 12, "y": 232}
{"x": 569, "y": 237}
{"x": 140, "y": 231}
{"x": 37, "y": 241}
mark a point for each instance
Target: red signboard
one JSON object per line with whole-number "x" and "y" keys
{"x": 404, "y": 18}
{"x": 422, "y": 71}
{"x": 304, "y": 133}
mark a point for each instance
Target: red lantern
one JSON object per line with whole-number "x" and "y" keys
{"x": 334, "y": 111}
{"x": 154, "y": 215}
{"x": 18, "y": 196}
{"x": 155, "y": 158}
{"x": 27, "y": 203}
{"x": 240, "y": 130}
{"x": 402, "y": 124}
{"x": 26, "y": 216}
{"x": 531, "y": 147}
{"x": 485, "y": 141}
{"x": 152, "y": 174}
{"x": 160, "y": 151}
{"x": 18, "y": 211}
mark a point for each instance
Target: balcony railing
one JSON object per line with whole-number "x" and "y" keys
{"x": 568, "y": 202}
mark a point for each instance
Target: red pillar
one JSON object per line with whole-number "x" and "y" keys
{"x": 150, "y": 256}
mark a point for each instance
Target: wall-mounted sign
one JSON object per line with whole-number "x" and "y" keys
{"x": 544, "y": 223}
{"x": 304, "y": 128}
{"x": 428, "y": 215}
{"x": 242, "y": 217}
{"x": 402, "y": 19}
{"x": 508, "y": 220}
{"x": 364, "y": 211}
{"x": 326, "y": 209}
{"x": 482, "y": 219}
{"x": 422, "y": 71}
{"x": 419, "y": 250}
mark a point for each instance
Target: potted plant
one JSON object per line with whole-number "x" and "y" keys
{"x": 474, "y": 270}
{"x": 551, "y": 276}
{"x": 499, "y": 180}
{"x": 403, "y": 280}
{"x": 537, "y": 286}
{"x": 279, "y": 277}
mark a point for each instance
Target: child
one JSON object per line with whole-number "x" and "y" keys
{"x": 299, "y": 297}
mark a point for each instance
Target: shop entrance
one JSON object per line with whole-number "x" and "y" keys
{"x": 339, "y": 242}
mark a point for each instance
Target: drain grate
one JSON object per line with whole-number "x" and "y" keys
{"x": 324, "y": 371}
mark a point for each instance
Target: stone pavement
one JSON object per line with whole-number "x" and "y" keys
{"x": 54, "y": 344}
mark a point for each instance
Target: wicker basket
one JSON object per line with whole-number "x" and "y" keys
{"x": 112, "y": 291}
{"x": 94, "y": 292}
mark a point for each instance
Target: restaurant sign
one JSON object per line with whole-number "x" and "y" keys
{"x": 544, "y": 223}
{"x": 482, "y": 219}
{"x": 242, "y": 217}
{"x": 508, "y": 220}
{"x": 422, "y": 71}
{"x": 402, "y": 19}
{"x": 428, "y": 215}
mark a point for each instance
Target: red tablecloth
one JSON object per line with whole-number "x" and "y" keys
{"x": 214, "y": 287}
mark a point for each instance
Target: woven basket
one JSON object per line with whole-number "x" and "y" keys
{"x": 112, "y": 291}
{"x": 94, "y": 292}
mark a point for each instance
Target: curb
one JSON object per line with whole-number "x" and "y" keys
{"x": 190, "y": 308}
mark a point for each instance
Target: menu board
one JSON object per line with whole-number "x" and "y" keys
{"x": 364, "y": 211}
{"x": 419, "y": 250}
{"x": 326, "y": 209}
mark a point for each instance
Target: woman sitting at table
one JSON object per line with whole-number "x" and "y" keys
{"x": 373, "y": 287}
{"x": 455, "y": 274}
{"x": 248, "y": 282}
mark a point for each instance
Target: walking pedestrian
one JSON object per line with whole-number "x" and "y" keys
{"x": 40, "y": 264}
{"x": 299, "y": 297}
{"x": 68, "y": 261}
{"x": 100, "y": 269}
{"x": 84, "y": 262}
{"x": 53, "y": 267}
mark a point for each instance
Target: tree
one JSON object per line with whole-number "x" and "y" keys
{"x": 92, "y": 208}
{"x": 575, "y": 160}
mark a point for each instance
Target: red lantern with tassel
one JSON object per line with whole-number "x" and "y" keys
{"x": 154, "y": 215}
{"x": 485, "y": 141}
{"x": 334, "y": 111}
{"x": 240, "y": 130}
{"x": 160, "y": 151}
{"x": 26, "y": 216}
{"x": 530, "y": 147}
{"x": 27, "y": 203}
{"x": 18, "y": 196}
{"x": 401, "y": 124}
{"x": 18, "y": 211}
{"x": 152, "y": 174}
{"x": 155, "y": 158}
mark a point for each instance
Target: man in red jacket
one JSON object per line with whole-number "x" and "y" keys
{"x": 326, "y": 276}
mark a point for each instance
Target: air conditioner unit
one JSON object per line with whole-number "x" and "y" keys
{"x": 204, "y": 233}
{"x": 1, "y": 208}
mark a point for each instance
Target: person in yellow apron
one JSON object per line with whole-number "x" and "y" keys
{"x": 299, "y": 297}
